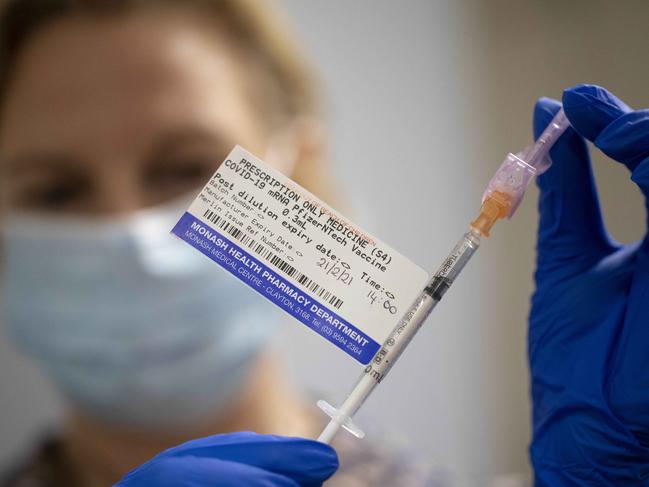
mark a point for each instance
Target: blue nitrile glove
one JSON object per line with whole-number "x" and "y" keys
{"x": 589, "y": 323}
{"x": 238, "y": 460}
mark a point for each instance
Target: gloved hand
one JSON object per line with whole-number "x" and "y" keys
{"x": 238, "y": 460}
{"x": 589, "y": 323}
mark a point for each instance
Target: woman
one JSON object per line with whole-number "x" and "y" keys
{"x": 113, "y": 114}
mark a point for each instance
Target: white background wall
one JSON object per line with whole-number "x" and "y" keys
{"x": 425, "y": 98}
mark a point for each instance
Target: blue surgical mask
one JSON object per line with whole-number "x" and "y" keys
{"x": 132, "y": 324}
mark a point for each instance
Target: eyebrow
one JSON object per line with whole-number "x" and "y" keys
{"x": 43, "y": 159}
{"x": 173, "y": 139}
{"x": 162, "y": 144}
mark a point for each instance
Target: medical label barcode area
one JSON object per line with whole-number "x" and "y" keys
{"x": 270, "y": 257}
{"x": 265, "y": 272}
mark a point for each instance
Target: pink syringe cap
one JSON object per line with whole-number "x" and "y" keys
{"x": 517, "y": 170}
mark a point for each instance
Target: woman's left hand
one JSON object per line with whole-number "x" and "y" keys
{"x": 238, "y": 460}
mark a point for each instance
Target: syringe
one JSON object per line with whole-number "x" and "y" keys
{"x": 501, "y": 199}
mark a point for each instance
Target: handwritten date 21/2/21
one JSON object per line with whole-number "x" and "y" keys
{"x": 337, "y": 269}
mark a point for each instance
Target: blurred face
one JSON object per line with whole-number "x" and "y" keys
{"x": 106, "y": 116}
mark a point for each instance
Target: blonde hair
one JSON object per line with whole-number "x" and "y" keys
{"x": 284, "y": 87}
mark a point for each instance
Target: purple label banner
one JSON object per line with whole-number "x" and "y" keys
{"x": 268, "y": 281}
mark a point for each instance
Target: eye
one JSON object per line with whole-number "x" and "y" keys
{"x": 173, "y": 177}
{"x": 185, "y": 172}
{"x": 49, "y": 193}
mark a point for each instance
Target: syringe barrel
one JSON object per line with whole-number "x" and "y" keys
{"x": 453, "y": 264}
{"x": 387, "y": 355}
{"x": 400, "y": 337}
{"x": 414, "y": 318}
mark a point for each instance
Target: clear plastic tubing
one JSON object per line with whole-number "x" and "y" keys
{"x": 500, "y": 200}
{"x": 535, "y": 153}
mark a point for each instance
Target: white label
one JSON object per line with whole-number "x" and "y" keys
{"x": 301, "y": 254}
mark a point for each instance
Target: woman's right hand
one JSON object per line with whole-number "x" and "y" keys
{"x": 589, "y": 324}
